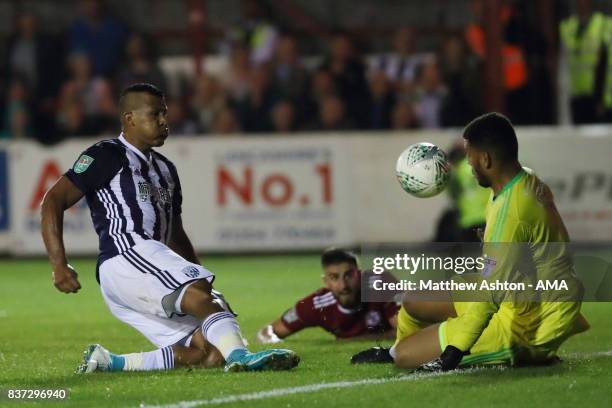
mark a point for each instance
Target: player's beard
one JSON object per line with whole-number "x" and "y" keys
{"x": 348, "y": 298}
{"x": 483, "y": 181}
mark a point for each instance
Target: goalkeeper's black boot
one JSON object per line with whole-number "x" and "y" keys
{"x": 372, "y": 355}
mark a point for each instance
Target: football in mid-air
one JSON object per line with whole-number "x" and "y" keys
{"x": 422, "y": 170}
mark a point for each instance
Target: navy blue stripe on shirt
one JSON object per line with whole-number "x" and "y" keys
{"x": 167, "y": 206}
{"x": 116, "y": 222}
{"x": 124, "y": 222}
{"x": 128, "y": 189}
{"x": 153, "y": 197}
{"x": 111, "y": 220}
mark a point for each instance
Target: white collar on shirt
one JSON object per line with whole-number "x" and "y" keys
{"x": 123, "y": 140}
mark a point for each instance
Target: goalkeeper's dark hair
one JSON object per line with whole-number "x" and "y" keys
{"x": 493, "y": 132}
{"x": 138, "y": 88}
{"x": 333, "y": 256}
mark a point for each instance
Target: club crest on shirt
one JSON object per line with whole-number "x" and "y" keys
{"x": 290, "y": 315}
{"x": 191, "y": 272}
{"x": 83, "y": 163}
{"x": 372, "y": 318}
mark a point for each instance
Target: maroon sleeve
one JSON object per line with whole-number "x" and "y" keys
{"x": 302, "y": 314}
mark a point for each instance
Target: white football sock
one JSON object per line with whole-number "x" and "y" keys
{"x": 222, "y": 331}
{"x": 160, "y": 359}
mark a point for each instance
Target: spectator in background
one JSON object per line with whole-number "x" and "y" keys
{"x": 514, "y": 64}
{"x": 34, "y": 56}
{"x": 321, "y": 86}
{"x": 92, "y": 96}
{"x": 383, "y": 100}
{"x": 462, "y": 222}
{"x": 332, "y": 115}
{"x": 226, "y": 122}
{"x": 71, "y": 120}
{"x": 100, "y": 36}
{"x": 256, "y": 33}
{"x": 403, "y": 116}
{"x": 17, "y": 123}
{"x": 283, "y": 117}
{"x": 348, "y": 72}
{"x": 179, "y": 121}
{"x": 236, "y": 80}
{"x": 400, "y": 65}
{"x": 254, "y": 110}
{"x": 289, "y": 78}
{"x": 38, "y": 60}
{"x": 462, "y": 78}
{"x": 428, "y": 95}
{"x": 140, "y": 65}
{"x": 584, "y": 51}
{"x": 208, "y": 100}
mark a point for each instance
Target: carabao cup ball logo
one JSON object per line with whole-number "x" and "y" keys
{"x": 422, "y": 170}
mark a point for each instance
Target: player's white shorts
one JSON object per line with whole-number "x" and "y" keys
{"x": 138, "y": 284}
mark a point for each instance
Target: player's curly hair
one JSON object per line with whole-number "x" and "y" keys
{"x": 332, "y": 256}
{"x": 493, "y": 132}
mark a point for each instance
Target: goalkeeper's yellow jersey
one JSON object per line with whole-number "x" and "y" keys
{"x": 521, "y": 219}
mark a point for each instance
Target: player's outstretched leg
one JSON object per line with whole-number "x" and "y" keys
{"x": 221, "y": 329}
{"x": 97, "y": 358}
{"x": 199, "y": 353}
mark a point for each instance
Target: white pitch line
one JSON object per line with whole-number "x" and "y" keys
{"x": 607, "y": 353}
{"x": 279, "y": 392}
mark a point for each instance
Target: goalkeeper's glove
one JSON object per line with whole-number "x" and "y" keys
{"x": 448, "y": 360}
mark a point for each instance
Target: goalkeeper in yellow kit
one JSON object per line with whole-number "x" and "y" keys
{"x": 520, "y": 217}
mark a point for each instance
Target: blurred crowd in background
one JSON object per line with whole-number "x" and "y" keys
{"x": 67, "y": 85}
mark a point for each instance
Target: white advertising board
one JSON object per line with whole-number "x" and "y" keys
{"x": 312, "y": 190}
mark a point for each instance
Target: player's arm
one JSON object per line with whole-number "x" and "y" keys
{"x": 300, "y": 316}
{"x": 179, "y": 241}
{"x": 502, "y": 261}
{"x": 63, "y": 195}
{"x": 93, "y": 169}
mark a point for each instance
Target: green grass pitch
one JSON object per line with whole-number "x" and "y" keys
{"x": 43, "y": 332}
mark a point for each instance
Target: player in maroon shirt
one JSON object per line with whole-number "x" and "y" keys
{"x": 337, "y": 307}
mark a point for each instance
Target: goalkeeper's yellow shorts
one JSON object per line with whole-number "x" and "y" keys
{"x": 508, "y": 340}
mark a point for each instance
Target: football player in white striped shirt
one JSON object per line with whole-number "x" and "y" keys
{"x": 148, "y": 272}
